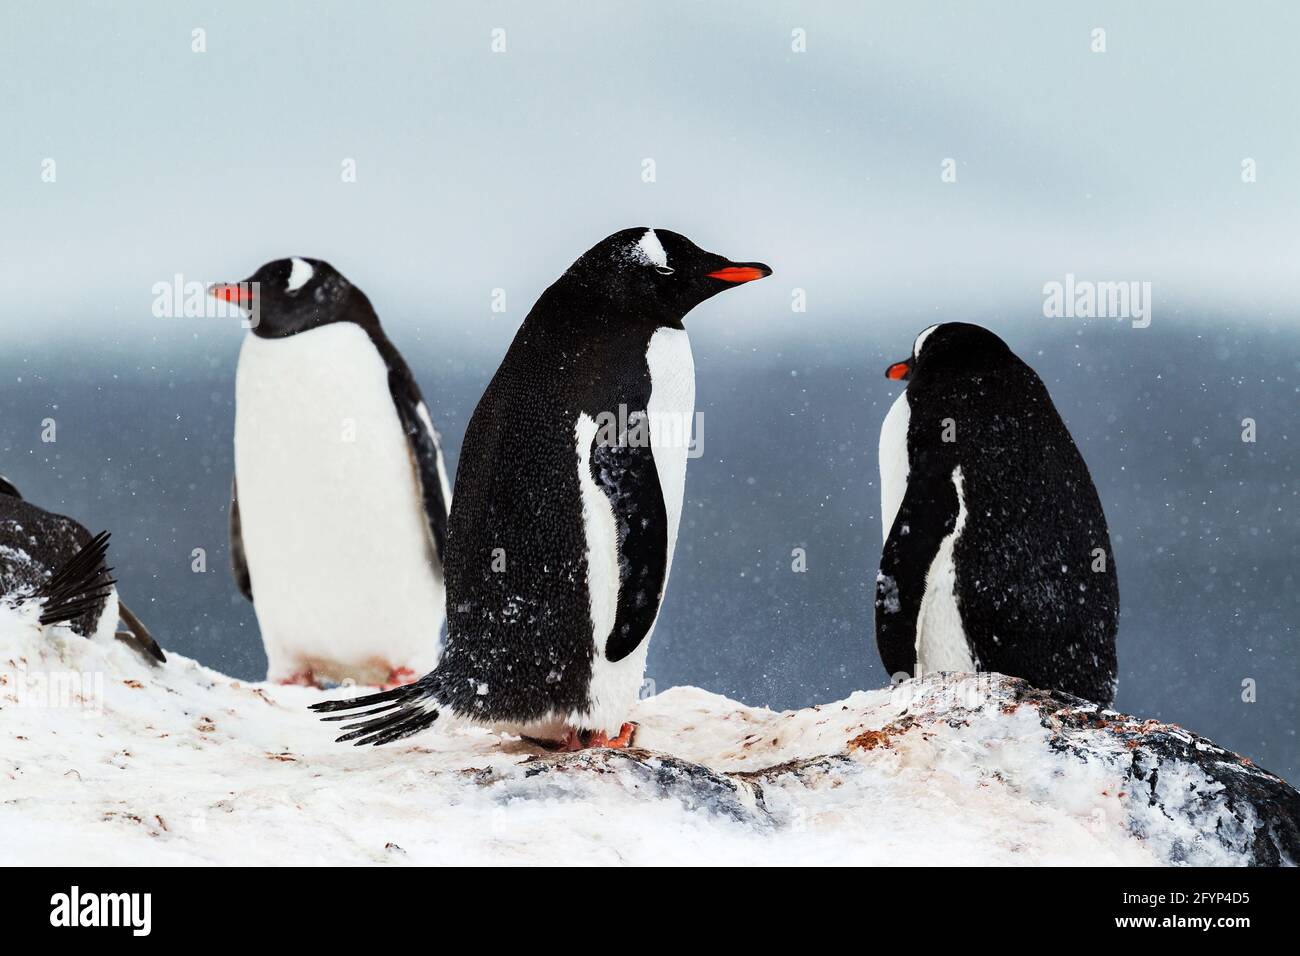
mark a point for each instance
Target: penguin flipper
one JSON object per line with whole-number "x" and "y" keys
{"x": 426, "y": 452}
{"x": 926, "y": 516}
{"x": 80, "y": 583}
{"x": 238, "y": 562}
{"x": 627, "y": 474}
{"x": 138, "y": 636}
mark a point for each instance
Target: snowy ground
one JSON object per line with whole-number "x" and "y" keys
{"x": 105, "y": 760}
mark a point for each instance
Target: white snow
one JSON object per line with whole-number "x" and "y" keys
{"x": 179, "y": 764}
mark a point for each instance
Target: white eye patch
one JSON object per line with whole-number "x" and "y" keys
{"x": 650, "y": 250}
{"x": 299, "y": 275}
{"x": 920, "y": 340}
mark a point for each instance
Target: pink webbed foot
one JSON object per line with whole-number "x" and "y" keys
{"x": 624, "y": 738}
{"x": 572, "y": 741}
{"x": 585, "y": 739}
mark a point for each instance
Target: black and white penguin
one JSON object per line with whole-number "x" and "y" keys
{"x": 997, "y": 556}
{"x": 338, "y": 508}
{"x": 568, "y": 498}
{"x": 54, "y": 578}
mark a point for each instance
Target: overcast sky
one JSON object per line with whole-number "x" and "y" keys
{"x": 477, "y": 170}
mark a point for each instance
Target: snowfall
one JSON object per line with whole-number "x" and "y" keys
{"x": 105, "y": 759}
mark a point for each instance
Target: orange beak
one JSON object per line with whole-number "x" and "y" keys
{"x": 239, "y": 293}
{"x": 741, "y": 273}
{"x": 899, "y": 371}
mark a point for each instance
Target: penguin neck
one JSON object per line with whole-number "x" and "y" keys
{"x": 355, "y": 307}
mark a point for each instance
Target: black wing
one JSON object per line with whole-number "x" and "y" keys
{"x": 926, "y": 516}
{"x": 626, "y": 473}
{"x": 425, "y": 451}
{"x": 238, "y": 563}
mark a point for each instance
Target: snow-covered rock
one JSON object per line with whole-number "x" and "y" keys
{"x": 104, "y": 759}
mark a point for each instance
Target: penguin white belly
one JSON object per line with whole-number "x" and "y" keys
{"x": 671, "y": 410}
{"x": 615, "y": 686}
{"x": 941, "y": 643}
{"x": 894, "y": 465}
{"x": 334, "y": 530}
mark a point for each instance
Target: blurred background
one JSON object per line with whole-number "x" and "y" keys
{"x": 813, "y": 137}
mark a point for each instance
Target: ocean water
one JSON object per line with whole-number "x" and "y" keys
{"x": 1206, "y": 527}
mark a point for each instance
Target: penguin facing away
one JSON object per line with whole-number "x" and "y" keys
{"x": 338, "y": 508}
{"x": 568, "y": 498}
{"x": 54, "y": 577}
{"x": 997, "y": 555}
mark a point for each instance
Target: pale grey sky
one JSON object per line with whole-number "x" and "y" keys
{"x": 478, "y": 170}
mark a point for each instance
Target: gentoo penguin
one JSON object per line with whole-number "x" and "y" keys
{"x": 568, "y": 498}
{"x": 997, "y": 556}
{"x": 54, "y": 576}
{"x": 338, "y": 509}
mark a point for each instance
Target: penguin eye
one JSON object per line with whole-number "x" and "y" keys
{"x": 664, "y": 270}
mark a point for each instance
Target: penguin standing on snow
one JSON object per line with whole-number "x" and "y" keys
{"x": 54, "y": 575}
{"x": 338, "y": 509}
{"x": 997, "y": 556}
{"x": 568, "y": 498}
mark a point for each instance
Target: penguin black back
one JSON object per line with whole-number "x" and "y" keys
{"x": 561, "y": 534}
{"x": 516, "y": 540}
{"x": 53, "y": 559}
{"x": 1035, "y": 580}
{"x": 35, "y": 546}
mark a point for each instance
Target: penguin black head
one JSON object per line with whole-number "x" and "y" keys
{"x": 654, "y": 272}
{"x": 294, "y": 295}
{"x": 8, "y": 488}
{"x": 952, "y": 348}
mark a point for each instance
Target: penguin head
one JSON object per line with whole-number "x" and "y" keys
{"x": 655, "y": 273}
{"x": 952, "y": 348}
{"x": 7, "y": 487}
{"x": 291, "y": 295}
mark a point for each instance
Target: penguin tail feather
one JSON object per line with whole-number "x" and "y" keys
{"x": 79, "y": 584}
{"x": 389, "y": 715}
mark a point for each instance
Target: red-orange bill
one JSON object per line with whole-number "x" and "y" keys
{"x": 738, "y": 274}
{"x": 899, "y": 371}
{"x": 233, "y": 292}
